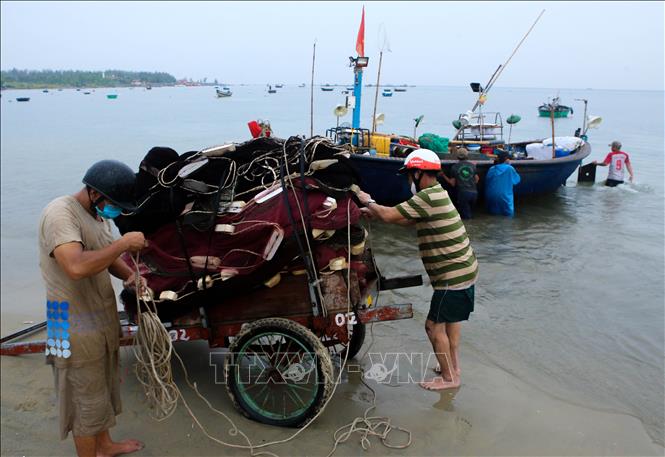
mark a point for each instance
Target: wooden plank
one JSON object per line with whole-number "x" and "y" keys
{"x": 290, "y": 297}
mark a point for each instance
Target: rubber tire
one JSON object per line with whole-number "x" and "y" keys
{"x": 357, "y": 340}
{"x": 324, "y": 369}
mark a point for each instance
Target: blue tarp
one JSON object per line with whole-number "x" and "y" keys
{"x": 499, "y": 184}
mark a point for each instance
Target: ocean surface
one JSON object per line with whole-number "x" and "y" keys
{"x": 571, "y": 291}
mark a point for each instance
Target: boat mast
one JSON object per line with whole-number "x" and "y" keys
{"x": 376, "y": 94}
{"x": 311, "y": 95}
{"x": 358, "y": 64}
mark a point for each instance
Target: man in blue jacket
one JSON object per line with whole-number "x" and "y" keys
{"x": 499, "y": 183}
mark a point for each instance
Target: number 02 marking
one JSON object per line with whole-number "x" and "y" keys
{"x": 341, "y": 319}
{"x": 178, "y": 335}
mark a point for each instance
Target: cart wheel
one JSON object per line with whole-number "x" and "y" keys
{"x": 278, "y": 372}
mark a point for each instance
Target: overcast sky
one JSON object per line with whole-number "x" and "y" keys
{"x": 612, "y": 45}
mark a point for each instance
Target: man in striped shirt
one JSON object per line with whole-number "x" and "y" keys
{"x": 446, "y": 254}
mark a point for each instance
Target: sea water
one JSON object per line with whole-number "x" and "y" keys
{"x": 570, "y": 293}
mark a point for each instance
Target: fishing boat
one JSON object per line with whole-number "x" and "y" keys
{"x": 222, "y": 93}
{"x": 279, "y": 86}
{"x": 399, "y": 89}
{"x": 546, "y": 109}
{"x": 45, "y": 91}
{"x": 271, "y": 90}
{"x": 380, "y": 178}
{"x": 301, "y": 85}
{"x": 22, "y": 99}
{"x": 387, "y": 92}
{"x": 111, "y": 96}
{"x": 327, "y": 88}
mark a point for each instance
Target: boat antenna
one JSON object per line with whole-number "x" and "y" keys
{"x": 311, "y": 94}
{"x": 498, "y": 72}
{"x": 385, "y": 46}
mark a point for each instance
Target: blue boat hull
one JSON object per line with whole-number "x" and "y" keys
{"x": 380, "y": 179}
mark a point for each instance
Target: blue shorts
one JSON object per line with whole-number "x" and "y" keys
{"x": 451, "y": 305}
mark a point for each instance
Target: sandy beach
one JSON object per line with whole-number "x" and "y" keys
{"x": 492, "y": 413}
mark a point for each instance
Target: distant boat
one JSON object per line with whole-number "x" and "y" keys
{"x": 327, "y": 89}
{"x": 349, "y": 88}
{"x": 86, "y": 93}
{"x": 271, "y": 90}
{"x": 301, "y": 85}
{"x": 221, "y": 93}
{"x": 224, "y": 88}
{"x": 148, "y": 87}
{"x": 45, "y": 91}
{"x": 22, "y": 99}
{"x": 399, "y": 89}
{"x": 546, "y": 109}
{"x": 279, "y": 86}
{"x": 111, "y": 96}
{"x": 387, "y": 93}
{"x": 78, "y": 90}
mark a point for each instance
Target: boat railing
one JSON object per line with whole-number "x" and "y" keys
{"x": 357, "y": 139}
{"x": 481, "y": 126}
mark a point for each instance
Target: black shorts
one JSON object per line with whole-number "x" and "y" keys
{"x": 612, "y": 183}
{"x": 451, "y": 305}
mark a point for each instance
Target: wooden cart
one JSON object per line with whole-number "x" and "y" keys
{"x": 283, "y": 344}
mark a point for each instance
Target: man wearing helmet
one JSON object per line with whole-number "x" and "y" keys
{"x": 446, "y": 254}
{"x": 76, "y": 254}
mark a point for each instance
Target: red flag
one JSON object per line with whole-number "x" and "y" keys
{"x": 360, "y": 42}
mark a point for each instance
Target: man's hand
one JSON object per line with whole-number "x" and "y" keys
{"x": 134, "y": 241}
{"x": 130, "y": 283}
{"x": 364, "y": 197}
{"x": 365, "y": 212}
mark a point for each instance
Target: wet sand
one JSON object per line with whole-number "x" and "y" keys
{"x": 492, "y": 413}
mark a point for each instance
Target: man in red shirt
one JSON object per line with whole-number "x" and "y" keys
{"x": 617, "y": 160}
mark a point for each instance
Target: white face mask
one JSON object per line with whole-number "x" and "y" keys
{"x": 414, "y": 191}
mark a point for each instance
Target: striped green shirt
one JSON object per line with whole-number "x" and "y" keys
{"x": 444, "y": 245}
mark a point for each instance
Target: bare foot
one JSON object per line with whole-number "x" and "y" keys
{"x": 440, "y": 384}
{"x": 437, "y": 370}
{"x": 120, "y": 447}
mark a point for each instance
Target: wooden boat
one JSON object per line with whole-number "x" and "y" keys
{"x": 545, "y": 110}
{"x": 222, "y": 93}
{"x": 22, "y": 99}
{"x": 111, "y": 96}
{"x": 327, "y": 89}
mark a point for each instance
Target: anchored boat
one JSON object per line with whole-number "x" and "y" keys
{"x": 546, "y": 109}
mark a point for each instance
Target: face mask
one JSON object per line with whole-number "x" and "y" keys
{"x": 109, "y": 211}
{"x": 414, "y": 187}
